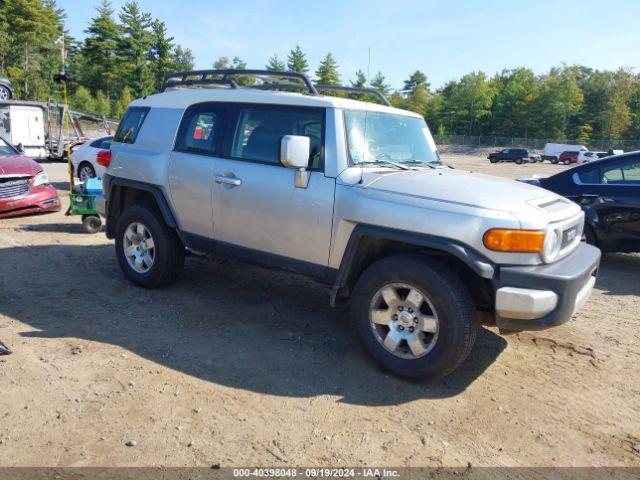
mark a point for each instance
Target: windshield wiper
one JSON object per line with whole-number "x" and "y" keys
{"x": 386, "y": 162}
{"x": 420, "y": 162}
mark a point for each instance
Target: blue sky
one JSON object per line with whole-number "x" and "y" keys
{"x": 444, "y": 39}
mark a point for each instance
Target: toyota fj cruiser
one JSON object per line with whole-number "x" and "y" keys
{"x": 350, "y": 193}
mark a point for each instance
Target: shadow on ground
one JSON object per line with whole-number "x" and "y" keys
{"x": 619, "y": 274}
{"x": 224, "y": 322}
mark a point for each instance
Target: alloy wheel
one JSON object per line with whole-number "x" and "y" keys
{"x": 139, "y": 247}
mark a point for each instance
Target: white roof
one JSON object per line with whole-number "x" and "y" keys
{"x": 185, "y": 97}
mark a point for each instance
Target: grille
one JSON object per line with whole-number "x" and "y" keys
{"x": 13, "y": 187}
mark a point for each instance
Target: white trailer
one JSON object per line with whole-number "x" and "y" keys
{"x": 23, "y": 124}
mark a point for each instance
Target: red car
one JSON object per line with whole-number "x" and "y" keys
{"x": 568, "y": 157}
{"x": 24, "y": 187}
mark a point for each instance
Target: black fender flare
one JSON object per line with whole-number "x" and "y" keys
{"x": 113, "y": 201}
{"x": 477, "y": 262}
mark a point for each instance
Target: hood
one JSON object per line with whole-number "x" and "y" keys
{"x": 457, "y": 186}
{"x": 18, "y": 165}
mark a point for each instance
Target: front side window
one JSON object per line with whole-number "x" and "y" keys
{"x": 200, "y": 129}
{"x": 260, "y": 129}
{"x": 130, "y": 124}
{"x": 381, "y": 137}
{"x": 591, "y": 176}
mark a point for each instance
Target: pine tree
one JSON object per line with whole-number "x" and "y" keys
{"x": 183, "y": 58}
{"x": 275, "y": 64}
{"x": 162, "y": 52}
{"x": 121, "y": 105}
{"x": 327, "y": 72}
{"x": 99, "y": 51}
{"x": 101, "y": 105}
{"x": 417, "y": 78}
{"x": 134, "y": 48}
{"x": 360, "y": 81}
{"x": 297, "y": 61}
{"x": 82, "y": 100}
{"x": 380, "y": 84}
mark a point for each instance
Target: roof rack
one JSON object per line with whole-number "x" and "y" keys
{"x": 368, "y": 91}
{"x": 175, "y": 79}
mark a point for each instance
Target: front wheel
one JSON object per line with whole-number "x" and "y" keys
{"x": 413, "y": 316}
{"x": 493, "y": 160}
{"x": 149, "y": 252}
{"x": 86, "y": 171}
{"x": 519, "y": 161}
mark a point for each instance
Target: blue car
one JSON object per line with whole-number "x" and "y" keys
{"x": 608, "y": 190}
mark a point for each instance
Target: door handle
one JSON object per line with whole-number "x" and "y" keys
{"x": 232, "y": 181}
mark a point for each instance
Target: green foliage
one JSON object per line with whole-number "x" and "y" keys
{"x": 416, "y": 79}
{"x": 82, "y": 100}
{"x": 380, "y": 84}
{"x": 123, "y": 102}
{"x": 297, "y": 61}
{"x": 360, "y": 81}
{"x": 327, "y": 71}
{"x": 275, "y": 64}
{"x": 101, "y": 105}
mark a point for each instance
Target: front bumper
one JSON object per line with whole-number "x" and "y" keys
{"x": 39, "y": 200}
{"x": 543, "y": 296}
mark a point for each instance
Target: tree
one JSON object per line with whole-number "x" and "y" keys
{"x": 275, "y": 64}
{"x": 418, "y": 99}
{"x": 327, "y": 72}
{"x": 121, "y": 105}
{"x": 416, "y": 79}
{"x": 99, "y": 51}
{"x": 183, "y": 58}
{"x": 297, "y": 61}
{"x": 467, "y": 102}
{"x": 134, "y": 45}
{"x": 360, "y": 81}
{"x": 515, "y": 103}
{"x": 101, "y": 105}
{"x": 380, "y": 84}
{"x": 162, "y": 52}
{"x": 82, "y": 100}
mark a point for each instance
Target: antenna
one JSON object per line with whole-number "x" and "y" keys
{"x": 369, "y": 68}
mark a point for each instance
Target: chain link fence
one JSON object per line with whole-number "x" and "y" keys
{"x": 533, "y": 143}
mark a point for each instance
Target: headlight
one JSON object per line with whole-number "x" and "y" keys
{"x": 40, "y": 179}
{"x": 552, "y": 245}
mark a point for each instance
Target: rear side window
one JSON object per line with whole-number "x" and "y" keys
{"x": 130, "y": 124}
{"x": 200, "y": 130}
{"x": 591, "y": 176}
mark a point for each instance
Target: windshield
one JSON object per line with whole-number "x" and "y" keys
{"x": 6, "y": 149}
{"x": 384, "y": 138}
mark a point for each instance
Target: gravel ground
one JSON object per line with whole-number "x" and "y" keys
{"x": 239, "y": 366}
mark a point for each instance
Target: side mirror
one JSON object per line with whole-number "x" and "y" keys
{"x": 20, "y": 148}
{"x": 294, "y": 153}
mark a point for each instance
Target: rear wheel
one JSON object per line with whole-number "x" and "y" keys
{"x": 5, "y": 93}
{"x": 554, "y": 160}
{"x": 413, "y": 316}
{"x": 91, "y": 223}
{"x": 86, "y": 171}
{"x": 149, "y": 252}
{"x": 519, "y": 161}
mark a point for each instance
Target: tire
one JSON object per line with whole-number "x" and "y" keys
{"x": 86, "y": 171}
{"x": 5, "y": 93}
{"x": 519, "y": 161}
{"x": 589, "y": 235}
{"x": 567, "y": 162}
{"x": 161, "y": 260}
{"x": 493, "y": 160}
{"x": 91, "y": 223}
{"x": 446, "y": 298}
{"x": 554, "y": 160}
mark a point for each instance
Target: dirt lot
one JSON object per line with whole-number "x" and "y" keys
{"x": 242, "y": 366}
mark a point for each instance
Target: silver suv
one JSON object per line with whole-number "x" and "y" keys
{"x": 350, "y": 193}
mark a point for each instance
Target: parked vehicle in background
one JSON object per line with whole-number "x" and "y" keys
{"x": 24, "y": 187}
{"x": 552, "y": 151}
{"x": 517, "y": 155}
{"x": 608, "y": 190}
{"x": 84, "y": 158}
{"x": 22, "y": 124}
{"x": 6, "y": 89}
{"x": 351, "y": 194}
{"x": 568, "y": 157}
{"x": 584, "y": 157}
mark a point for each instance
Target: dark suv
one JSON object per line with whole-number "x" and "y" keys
{"x": 518, "y": 155}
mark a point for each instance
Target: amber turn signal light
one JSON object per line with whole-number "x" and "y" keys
{"x": 524, "y": 241}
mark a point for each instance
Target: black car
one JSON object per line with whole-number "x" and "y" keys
{"x": 518, "y": 155}
{"x": 6, "y": 90}
{"x": 608, "y": 190}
